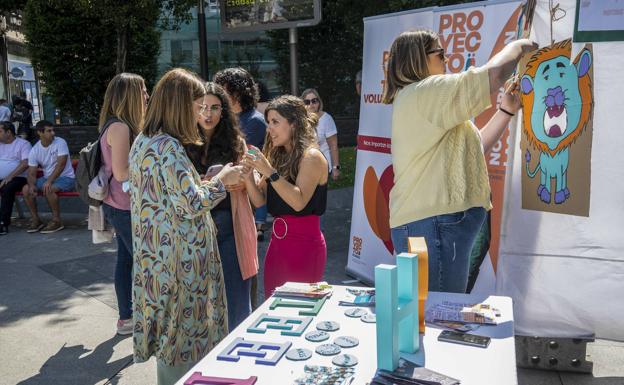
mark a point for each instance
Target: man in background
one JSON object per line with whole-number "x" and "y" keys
{"x": 52, "y": 155}
{"x": 5, "y": 111}
{"x": 14, "y": 153}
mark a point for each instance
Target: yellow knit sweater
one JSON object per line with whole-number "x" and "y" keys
{"x": 437, "y": 156}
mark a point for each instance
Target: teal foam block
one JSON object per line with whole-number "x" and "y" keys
{"x": 396, "y": 291}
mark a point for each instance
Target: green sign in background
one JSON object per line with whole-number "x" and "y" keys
{"x": 595, "y": 36}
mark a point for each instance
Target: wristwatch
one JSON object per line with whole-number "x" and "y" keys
{"x": 274, "y": 177}
{"x": 336, "y": 167}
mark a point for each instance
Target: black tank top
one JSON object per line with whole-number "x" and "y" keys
{"x": 316, "y": 205}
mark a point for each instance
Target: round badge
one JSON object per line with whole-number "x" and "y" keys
{"x": 299, "y": 354}
{"x": 328, "y": 326}
{"x": 347, "y": 342}
{"x": 355, "y": 312}
{"x": 369, "y": 318}
{"x": 328, "y": 349}
{"x": 345, "y": 360}
{"x": 317, "y": 336}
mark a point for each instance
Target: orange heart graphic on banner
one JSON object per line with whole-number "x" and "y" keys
{"x": 376, "y": 200}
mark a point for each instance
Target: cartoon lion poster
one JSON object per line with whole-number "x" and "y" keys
{"x": 557, "y": 99}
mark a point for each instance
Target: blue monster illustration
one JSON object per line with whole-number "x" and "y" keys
{"x": 558, "y": 104}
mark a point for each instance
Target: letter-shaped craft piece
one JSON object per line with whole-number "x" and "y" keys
{"x": 396, "y": 296}
{"x": 240, "y": 347}
{"x": 285, "y": 324}
{"x": 418, "y": 246}
{"x": 198, "y": 379}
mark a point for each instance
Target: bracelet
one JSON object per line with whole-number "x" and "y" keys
{"x": 505, "y": 111}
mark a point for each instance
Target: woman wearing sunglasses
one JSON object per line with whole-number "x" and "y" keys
{"x": 441, "y": 189}
{"x": 326, "y": 132}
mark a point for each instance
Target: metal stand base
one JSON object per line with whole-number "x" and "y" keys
{"x": 560, "y": 354}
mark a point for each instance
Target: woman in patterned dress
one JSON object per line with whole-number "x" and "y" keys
{"x": 178, "y": 294}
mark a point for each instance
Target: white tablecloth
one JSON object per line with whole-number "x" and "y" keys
{"x": 495, "y": 365}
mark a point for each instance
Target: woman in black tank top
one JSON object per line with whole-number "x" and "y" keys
{"x": 294, "y": 187}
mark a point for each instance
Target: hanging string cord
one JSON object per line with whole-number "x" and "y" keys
{"x": 556, "y": 13}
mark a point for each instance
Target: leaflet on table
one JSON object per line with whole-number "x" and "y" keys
{"x": 300, "y": 289}
{"x": 459, "y": 326}
{"x": 358, "y": 297}
{"x": 409, "y": 373}
{"x": 462, "y": 312}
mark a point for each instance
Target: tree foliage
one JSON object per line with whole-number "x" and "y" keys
{"x": 330, "y": 53}
{"x": 77, "y": 46}
{"x": 12, "y": 5}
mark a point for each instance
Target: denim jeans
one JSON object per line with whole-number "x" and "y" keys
{"x": 261, "y": 214}
{"x": 120, "y": 219}
{"x": 449, "y": 240}
{"x": 63, "y": 183}
{"x": 237, "y": 290}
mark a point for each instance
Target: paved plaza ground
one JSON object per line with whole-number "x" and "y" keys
{"x": 58, "y": 308}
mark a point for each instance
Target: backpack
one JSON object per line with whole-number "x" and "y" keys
{"x": 89, "y": 164}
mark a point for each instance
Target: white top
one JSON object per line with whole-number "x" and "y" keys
{"x": 46, "y": 157}
{"x": 11, "y": 155}
{"x": 494, "y": 365}
{"x": 325, "y": 129}
{"x": 5, "y": 113}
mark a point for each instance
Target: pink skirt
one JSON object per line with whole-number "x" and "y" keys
{"x": 296, "y": 253}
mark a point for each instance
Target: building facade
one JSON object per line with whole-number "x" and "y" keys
{"x": 17, "y": 76}
{"x": 180, "y": 48}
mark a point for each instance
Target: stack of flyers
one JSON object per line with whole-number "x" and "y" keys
{"x": 307, "y": 290}
{"x": 359, "y": 297}
{"x": 479, "y": 313}
{"x": 409, "y": 373}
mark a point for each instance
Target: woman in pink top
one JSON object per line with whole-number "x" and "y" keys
{"x": 121, "y": 118}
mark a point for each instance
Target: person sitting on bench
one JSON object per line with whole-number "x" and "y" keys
{"x": 52, "y": 155}
{"x": 13, "y": 164}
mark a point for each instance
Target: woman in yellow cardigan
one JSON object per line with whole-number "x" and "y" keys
{"x": 441, "y": 189}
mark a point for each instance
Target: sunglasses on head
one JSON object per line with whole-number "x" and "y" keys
{"x": 307, "y": 102}
{"x": 438, "y": 51}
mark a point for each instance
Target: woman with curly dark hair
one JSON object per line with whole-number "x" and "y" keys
{"x": 223, "y": 144}
{"x": 294, "y": 188}
{"x": 244, "y": 94}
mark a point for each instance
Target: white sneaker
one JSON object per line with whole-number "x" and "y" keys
{"x": 125, "y": 327}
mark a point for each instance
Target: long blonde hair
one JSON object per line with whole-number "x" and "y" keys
{"x": 171, "y": 110}
{"x": 303, "y": 135}
{"x": 407, "y": 63}
{"x": 124, "y": 100}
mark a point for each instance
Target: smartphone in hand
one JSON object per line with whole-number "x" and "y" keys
{"x": 213, "y": 170}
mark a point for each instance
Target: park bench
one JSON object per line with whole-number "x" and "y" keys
{"x": 62, "y": 194}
